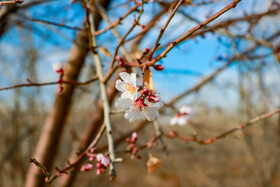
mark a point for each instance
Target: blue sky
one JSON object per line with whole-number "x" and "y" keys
{"x": 53, "y": 43}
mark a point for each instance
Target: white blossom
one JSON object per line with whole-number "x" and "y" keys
{"x": 127, "y": 85}
{"x": 183, "y": 117}
{"x": 137, "y": 109}
{"x": 57, "y": 66}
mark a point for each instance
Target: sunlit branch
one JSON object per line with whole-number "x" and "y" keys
{"x": 194, "y": 138}
{"x": 32, "y": 84}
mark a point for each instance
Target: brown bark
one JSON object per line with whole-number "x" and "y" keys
{"x": 51, "y": 134}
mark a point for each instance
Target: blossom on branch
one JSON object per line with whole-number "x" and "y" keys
{"x": 183, "y": 117}
{"x": 127, "y": 86}
{"x": 58, "y": 67}
{"x": 137, "y": 102}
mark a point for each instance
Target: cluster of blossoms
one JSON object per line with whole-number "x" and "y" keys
{"x": 183, "y": 117}
{"x": 102, "y": 162}
{"x": 137, "y": 102}
{"x": 58, "y": 68}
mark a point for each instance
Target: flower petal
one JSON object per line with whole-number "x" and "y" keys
{"x": 133, "y": 114}
{"x": 185, "y": 109}
{"x": 120, "y": 85}
{"x": 129, "y": 95}
{"x": 174, "y": 121}
{"x": 128, "y": 78}
{"x": 123, "y": 103}
{"x": 151, "y": 113}
{"x": 182, "y": 121}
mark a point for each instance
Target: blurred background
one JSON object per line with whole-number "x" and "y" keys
{"x": 244, "y": 44}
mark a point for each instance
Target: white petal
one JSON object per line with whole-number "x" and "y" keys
{"x": 57, "y": 66}
{"x": 129, "y": 95}
{"x": 128, "y": 78}
{"x": 174, "y": 121}
{"x": 99, "y": 157}
{"x": 123, "y": 103}
{"x": 151, "y": 113}
{"x": 182, "y": 121}
{"x": 105, "y": 161}
{"x": 120, "y": 85}
{"x": 185, "y": 109}
{"x": 133, "y": 114}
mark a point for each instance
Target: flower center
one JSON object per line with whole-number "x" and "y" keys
{"x": 130, "y": 88}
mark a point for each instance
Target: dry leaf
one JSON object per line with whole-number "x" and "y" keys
{"x": 153, "y": 163}
{"x": 148, "y": 79}
{"x": 278, "y": 57}
{"x": 105, "y": 51}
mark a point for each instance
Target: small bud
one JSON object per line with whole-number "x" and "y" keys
{"x": 99, "y": 165}
{"x": 59, "y": 80}
{"x": 127, "y": 140}
{"x": 99, "y": 171}
{"x": 135, "y": 150}
{"x": 105, "y": 161}
{"x": 145, "y": 91}
{"x": 131, "y": 145}
{"x": 86, "y": 167}
{"x": 91, "y": 158}
{"x": 134, "y": 137}
{"x": 60, "y": 89}
{"x": 146, "y": 50}
{"x": 58, "y": 67}
{"x": 99, "y": 157}
{"x": 121, "y": 64}
{"x": 159, "y": 67}
{"x": 118, "y": 58}
{"x": 153, "y": 99}
{"x": 92, "y": 150}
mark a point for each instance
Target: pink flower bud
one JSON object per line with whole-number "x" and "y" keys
{"x": 153, "y": 99}
{"x": 134, "y": 137}
{"x": 105, "y": 161}
{"x": 92, "y": 150}
{"x": 86, "y": 167}
{"x": 121, "y": 63}
{"x": 127, "y": 140}
{"x": 59, "y": 80}
{"x": 159, "y": 67}
{"x": 118, "y": 58}
{"x": 131, "y": 145}
{"x": 60, "y": 89}
{"x": 145, "y": 91}
{"x": 91, "y": 158}
{"x": 135, "y": 150}
{"x": 99, "y": 157}
{"x": 146, "y": 50}
{"x": 58, "y": 67}
{"x": 99, "y": 165}
{"x": 99, "y": 171}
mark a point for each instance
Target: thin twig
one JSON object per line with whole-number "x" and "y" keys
{"x": 164, "y": 28}
{"x": 50, "y": 178}
{"x": 3, "y": 3}
{"x": 31, "y": 84}
{"x": 112, "y": 25}
{"x": 224, "y": 134}
{"x": 190, "y": 32}
{"x": 159, "y": 133}
{"x": 107, "y": 118}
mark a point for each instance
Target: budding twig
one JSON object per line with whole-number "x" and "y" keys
{"x": 224, "y": 134}
{"x": 164, "y": 28}
{"x": 190, "y": 32}
{"x": 107, "y": 118}
{"x": 31, "y": 84}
